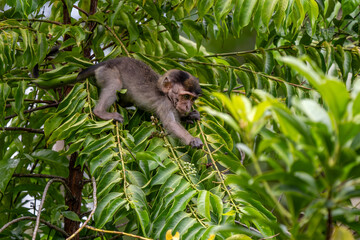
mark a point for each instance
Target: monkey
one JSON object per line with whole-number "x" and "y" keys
{"x": 169, "y": 96}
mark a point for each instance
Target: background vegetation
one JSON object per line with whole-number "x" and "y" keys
{"x": 280, "y": 122}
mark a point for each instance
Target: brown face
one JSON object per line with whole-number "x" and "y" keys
{"x": 185, "y": 101}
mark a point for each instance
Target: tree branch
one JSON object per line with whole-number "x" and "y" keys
{"x": 39, "y": 20}
{"x": 119, "y": 233}
{"x": 34, "y": 109}
{"x": 33, "y": 219}
{"x": 246, "y": 70}
{"x": 42, "y": 203}
{"x": 37, "y": 176}
{"x": 30, "y": 130}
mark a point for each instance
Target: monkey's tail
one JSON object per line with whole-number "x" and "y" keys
{"x": 86, "y": 73}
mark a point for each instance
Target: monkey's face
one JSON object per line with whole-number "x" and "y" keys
{"x": 184, "y": 102}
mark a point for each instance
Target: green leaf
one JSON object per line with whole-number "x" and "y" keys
{"x": 184, "y": 225}
{"x": 204, "y": 7}
{"x": 203, "y": 204}
{"x": 171, "y": 223}
{"x": 7, "y": 167}
{"x": 348, "y": 6}
{"x": 54, "y": 159}
{"x": 222, "y": 8}
{"x": 68, "y": 128}
{"x": 19, "y": 99}
{"x": 215, "y": 128}
{"x": 189, "y": 5}
{"x": 291, "y": 126}
{"x": 139, "y": 204}
{"x": 131, "y": 25}
{"x": 164, "y": 173}
{"x": 4, "y": 93}
{"x": 279, "y": 17}
{"x": 196, "y": 31}
{"x": 97, "y": 144}
{"x": 269, "y": 62}
{"x": 136, "y": 178}
{"x": 181, "y": 201}
{"x": 100, "y": 160}
{"x": 246, "y": 12}
{"x": 313, "y": 13}
{"x": 149, "y": 156}
{"x": 71, "y": 215}
{"x": 108, "y": 181}
{"x": 268, "y": 10}
{"x": 107, "y": 208}
{"x": 217, "y": 206}
{"x": 313, "y": 111}
{"x": 43, "y": 45}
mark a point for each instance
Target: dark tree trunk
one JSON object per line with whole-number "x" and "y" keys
{"x": 91, "y": 27}
{"x": 75, "y": 183}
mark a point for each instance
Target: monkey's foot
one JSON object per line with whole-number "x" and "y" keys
{"x": 196, "y": 143}
{"x": 108, "y": 116}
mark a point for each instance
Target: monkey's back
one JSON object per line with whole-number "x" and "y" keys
{"x": 139, "y": 80}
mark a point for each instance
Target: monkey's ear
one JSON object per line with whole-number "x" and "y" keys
{"x": 166, "y": 85}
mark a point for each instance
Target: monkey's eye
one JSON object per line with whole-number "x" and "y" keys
{"x": 186, "y": 97}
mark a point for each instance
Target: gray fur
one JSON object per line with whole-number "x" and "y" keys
{"x": 143, "y": 89}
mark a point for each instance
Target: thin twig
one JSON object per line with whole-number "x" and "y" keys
{"x": 81, "y": 10}
{"x": 37, "y": 176}
{"x": 91, "y": 214}
{"x": 246, "y": 70}
{"x": 119, "y": 40}
{"x": 122, "y": 161}
{"x": 33, "y": 110}
{"x": 30, "y": 130}
{"x": 119, "y": 233}
{"x": 33, "y": 219}
{"x": 39, "y": 20}
{"x": 221, "y": 177}
{"x": 250, "y": 228}
{"x": 42, "y": 203}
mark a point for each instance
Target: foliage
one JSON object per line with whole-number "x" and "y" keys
{"x": 281, "y": 161}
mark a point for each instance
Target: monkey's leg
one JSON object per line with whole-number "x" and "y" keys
{"x": 109, "y": 82}
{"x": 106, "y": 99}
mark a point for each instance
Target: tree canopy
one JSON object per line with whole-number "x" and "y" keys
{"x": 280, "y": 122}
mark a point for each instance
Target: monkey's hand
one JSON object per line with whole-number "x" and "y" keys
{"x": 196, "y": 143}
{"x": 194, "y": 115}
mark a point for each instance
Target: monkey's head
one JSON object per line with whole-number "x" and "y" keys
{"x": 182, "y": 89}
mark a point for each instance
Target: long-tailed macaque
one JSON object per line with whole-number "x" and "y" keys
{"x": 169, "y": 96}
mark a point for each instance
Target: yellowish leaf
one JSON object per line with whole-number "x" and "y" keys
{"x": 342, "y": 233}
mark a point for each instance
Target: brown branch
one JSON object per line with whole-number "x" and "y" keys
{"x": 65, "y": 234}
{"x": 246, "y": 70}
{"x": 39, "y": 20}
{"x": 91, "y": 214}
{"x": 81, "y": 10}
{"x": 33, "y": 110}
{"x": 30, "y": 130}
{"x": 265, "y": 49}
{"x": 37, "y": 176}
{"x": 42, "y": 203}
{"x": 30, "y": 100}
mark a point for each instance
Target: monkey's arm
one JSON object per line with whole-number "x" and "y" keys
{"x": 175, "y": 128}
